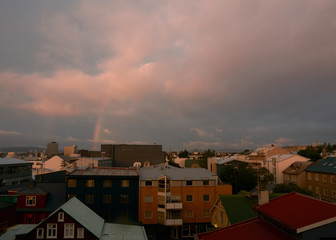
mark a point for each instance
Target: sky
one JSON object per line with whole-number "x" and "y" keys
{"x": 225, "y": 75}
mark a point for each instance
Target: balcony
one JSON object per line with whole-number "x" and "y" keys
{"x": 173, "y": 222}
{"x": 174, "y": 205}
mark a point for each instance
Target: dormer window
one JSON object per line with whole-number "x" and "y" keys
{"x": 61, "y": 216}
{"x": 30, "y": 201}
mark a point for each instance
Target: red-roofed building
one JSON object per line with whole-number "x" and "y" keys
{"x": 291, "y": 216}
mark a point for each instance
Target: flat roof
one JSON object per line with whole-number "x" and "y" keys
{"x": 112, "y": 231}
{"x": 11, "y": 161}
{"x": 106, "y": 171}
{"x": 153, "y": 173}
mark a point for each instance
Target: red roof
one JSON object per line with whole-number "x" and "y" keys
{"x": 299, "y": 212}
{"x": 254, "y": 228}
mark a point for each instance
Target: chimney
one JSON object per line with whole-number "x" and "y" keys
{"x": 263, "y": 197}
{"x": 74, "y": 166}
{"x": 324, "y": 152}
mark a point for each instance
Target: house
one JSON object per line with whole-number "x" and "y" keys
{"x": 56, "y": 163}
{"x": 278, "y": 163}
{"x": 296, "y": 173}
{"x": 262, "y": 153}
{"x": 290, "y": 216}
{"x": 178, "y": 198}
{"x": 321, "y": 178}
{"x": 74, "y": 220}
{"x": 113, "y": 193}
{"x": 13, "y": 173}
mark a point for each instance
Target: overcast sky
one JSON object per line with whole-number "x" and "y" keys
{"x": 226, "y": 74}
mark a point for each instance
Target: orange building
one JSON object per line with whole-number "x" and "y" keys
{"x": 179, "y": 198}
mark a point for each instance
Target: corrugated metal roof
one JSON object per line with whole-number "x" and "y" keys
{"x": 296, "y": 167}
{"x": 9, "y": 161}
{"x": 106, "y": 172}
{"x": 153, "y": 173}
{"x": 11, "y": 233}
{"x": 114, "y": 231}
{"x": 326, "y": 165}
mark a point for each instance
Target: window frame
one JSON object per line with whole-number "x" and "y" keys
{"x": 89, "y": 198}
{"x": 107, "y": 183}
{"x": 51, "y": 227}
{"x": 124, "y": 198}
{"x": 148, "y": 183}
{"x": 107, "y": 199}
{"x": 71, "y": 228}
{"x": 124, "y": 183}
{"x": 148, "y": 217}
{"x": 31, "y": 198}
{"x": 189, "y": 182}
{"x": 80, "y": 232}
{"x": 147, "y": 197}
{"x": 39, "y": 235}
{"x": 192, "y": 198}
{"x": 206, "y": 182}
{"x": 72, "y": 183}
{"x": 90, "y": 183}
{"x": 60, "y": 217}
{"x": 208, "y": 198}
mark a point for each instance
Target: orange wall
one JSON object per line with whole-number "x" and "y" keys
{"x": 197, "y": 205}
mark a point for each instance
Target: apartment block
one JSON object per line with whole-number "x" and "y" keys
{"x": 178, "y": 198}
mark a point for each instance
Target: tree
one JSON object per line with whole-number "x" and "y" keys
{"x": 314, "y": 153}
{"x": 208, "y": 153}
{"x": 290, "y": 187}
{"x": 241, "y": 177}
{"x": 183, "y": 154}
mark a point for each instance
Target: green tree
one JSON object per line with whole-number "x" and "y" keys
{"x": 208, "y": 153}
{"x": 183, "y": 154}
{"x": 314, "y": 153}
{"x": 290, "y": 187}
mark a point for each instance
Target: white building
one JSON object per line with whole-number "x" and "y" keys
{"x": 278, "y": 163}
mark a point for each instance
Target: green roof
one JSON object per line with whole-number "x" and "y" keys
{"x": 237, "y": 208}
{"x": 8, "y": 198}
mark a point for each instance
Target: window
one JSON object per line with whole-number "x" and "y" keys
{"x": 317, "y": 177}
{"x": 189, "y": 183}
{"x": 90, "y": 183}
{"x": 71, "y": 196}
{"x": 148, "y": 214}
{"x": 206, "y": 198}
{"x": 324, "y": 178}
{"x": 332, "y": 179}
{"x": 310, "y": 187}
{"x": 334, "y": 194}
{"x": 72, "y": 183}
{"x": 326, "y": 192}
{"x": 317, "y": 190}
{"x": 89, "y": 199}
{"x": 61, "y": 216}
{"x": 107, "y": 183}
{"x": 51, "y": 230}
{"x": 107, "y": 199}
{"x": 222, "y": 217}
{"x": 149, "y": 183}
{"x": 39, "y": 233}
{"x": 30, "y": 201}
{"x": 189, "y": 213}
{"x": 124, "y": 183}
{"x": 206, "y": 182}
{"x": 124, "y": 198}
{"x": 309, "y": 175}
{"x": 80, "y": 232}
{"x": 206, "y": 213}
{"x": 69, "y": 230}
{"x": 189, "y": 198}
{"x": 148, "y": 198}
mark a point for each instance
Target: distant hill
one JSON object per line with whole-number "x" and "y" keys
{"x": 21, "y": 149}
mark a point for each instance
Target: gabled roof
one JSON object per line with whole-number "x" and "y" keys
{"x": 296, "y": 167}
{"x": 237, "y": 208}
{"x": 106, "y": 171}
{"x": 283, "y": 157}
{"x": 254, "y": 228}
{"x": 291, "y": 211}
{"x": 20, "y": 229}
{"x": 326, "y": 165}
{"x": 82, "y": 214}
{"x": 153, "y": 173}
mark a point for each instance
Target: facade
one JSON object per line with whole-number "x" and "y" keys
{"x": 278, "y": 163}
{"x": 52, "y": 149}
{"x": 284, "y": 217}
{"x": 178, "y": 198}
{"x": 296, "y": 173}
{"x": 95, "y": 162}
{"x": 7, "y": 212}
{"x": 14, "y": 172}
{"x": 70, "y": 150}
{"x": 260, "y": 154}
{"x": 124, "y": 155}
{"x": 112, "y": 193}
{"x": 321, "y": 178}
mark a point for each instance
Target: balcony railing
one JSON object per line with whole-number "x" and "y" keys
{"x": 173, "y": 222}
{"x": 174, "y": 205}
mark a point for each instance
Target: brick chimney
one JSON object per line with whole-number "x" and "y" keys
{"x": 263, "y": 197}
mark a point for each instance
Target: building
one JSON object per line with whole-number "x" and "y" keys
{"x": 70, "y": 150}
{"x": 56, "y": 163}
{"x": 113, "y": 193}
{"x": 296, "y": 173}
{"x": 276, "y": 164}
{"x": 291, "y": 216}
{"x": 260, "y": 154}
{"x": 124, "y": 155}
{"x": 95, "y": 162}
{"x": 74, "y": 220}
{"x": 14, "y": 172}
{"x": 321, "y": 178}
{"x": 178, "y": 198}
{"x": 52, "y": 149}
{"x": 7, "y": 212}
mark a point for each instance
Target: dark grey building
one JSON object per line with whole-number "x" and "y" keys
{"x": 14, "y": 172}
{"x": 124, "y": 155}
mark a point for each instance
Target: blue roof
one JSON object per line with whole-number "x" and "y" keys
{"x": 326, "y": 165}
